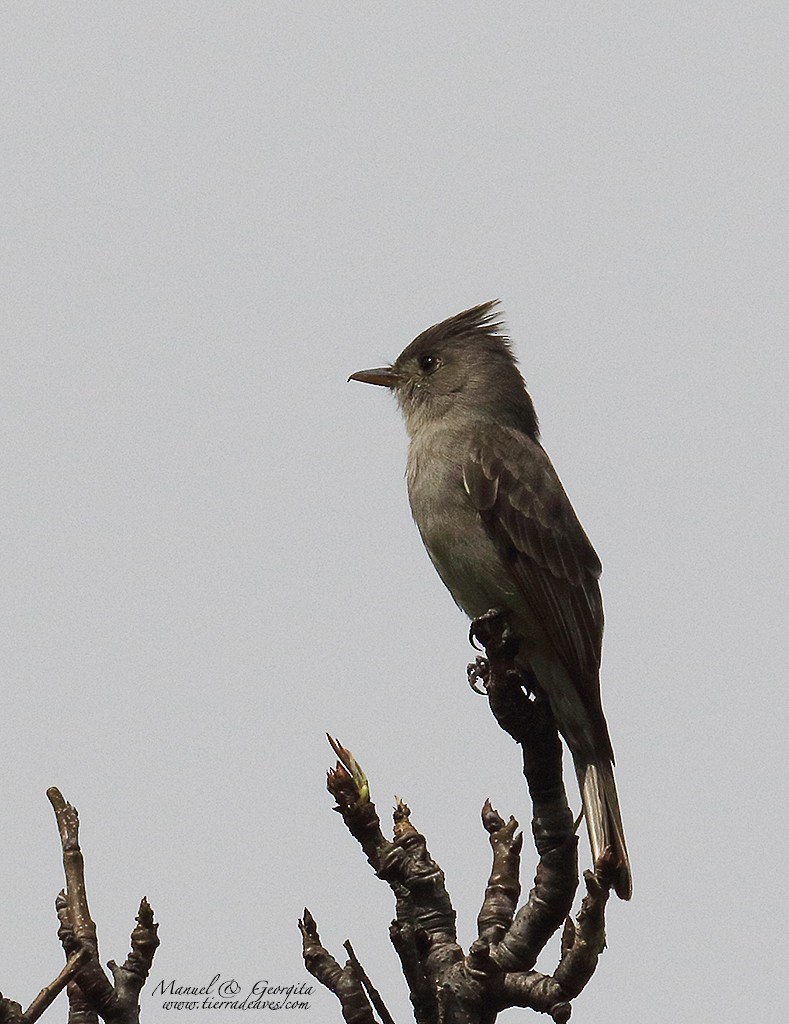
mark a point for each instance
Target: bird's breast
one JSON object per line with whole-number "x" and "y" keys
{"x": 456, "y": 540}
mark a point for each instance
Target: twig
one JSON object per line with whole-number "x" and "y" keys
{"x": 91, "y": 993}
{"x": 342, "y": 981}
{"x": 373, "y": 994}
{"x": 50, "y": 992}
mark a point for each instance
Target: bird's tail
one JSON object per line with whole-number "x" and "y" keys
{"x": 603, "y": 819}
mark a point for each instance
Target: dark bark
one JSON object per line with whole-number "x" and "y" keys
{"x": 446, "y": 985}
{"x": 91, "y": 993}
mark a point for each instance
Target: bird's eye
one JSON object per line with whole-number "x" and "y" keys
{"x": 427, "y": 364}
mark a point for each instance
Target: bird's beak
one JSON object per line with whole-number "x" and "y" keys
{"x": 384, "y": 376}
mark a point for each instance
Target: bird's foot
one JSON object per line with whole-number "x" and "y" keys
{"x": 478, "y": 675}
{"x": 493, "y": 632}
{"x": 485, "y": 626}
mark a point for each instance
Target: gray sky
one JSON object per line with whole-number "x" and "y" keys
{"x": 211, "y": 215}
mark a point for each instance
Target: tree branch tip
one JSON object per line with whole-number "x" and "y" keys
{"x": 560, "y": 1012}
{"x": 605, "y": 873}
{"x": 401, "y": 808}
{"x": 602, "y": 880}
{"x": 492, "y": 821}
{"x": 401, "y": 818}
{"x": 593, "y": 883}
{"x": 498, "y": 828}
{"x": 343, "y": 753}
{"x": 351, "y": 766}
{"x": 145, "y": 913}
{"x": 310, "y": 939}
{"x": 56, "y": 798}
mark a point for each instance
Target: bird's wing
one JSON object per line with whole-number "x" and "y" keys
{"x": 520, "y": 499}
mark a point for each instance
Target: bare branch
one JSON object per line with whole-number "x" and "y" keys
{"x": 342, "y": 981}
{"x": 73, "y": 865}
{"x": 50, "y": 992}
{"x": 91, "y": 993}
{"x": 372, "y": 992}
{"x": 504, "y": 887}
{"x": 445, "y": 986}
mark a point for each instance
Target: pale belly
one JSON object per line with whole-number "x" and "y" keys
{"x": 459, "y": 546}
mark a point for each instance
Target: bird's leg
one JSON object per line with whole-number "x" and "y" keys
{"x": 493, "y": 632}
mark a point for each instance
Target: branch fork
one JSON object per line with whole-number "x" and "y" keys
{"x": 446, "y": 985}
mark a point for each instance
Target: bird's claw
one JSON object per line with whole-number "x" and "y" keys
{"x": 478, "y": 675}
{"x": 485, "y": 627}
{"x": 493, "y": 632}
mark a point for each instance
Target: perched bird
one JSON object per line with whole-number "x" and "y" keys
{"x": 502, "y": 533}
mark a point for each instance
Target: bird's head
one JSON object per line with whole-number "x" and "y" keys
{"x": 463, "y": 366}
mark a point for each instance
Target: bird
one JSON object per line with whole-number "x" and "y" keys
{"x": 501, "y": 532}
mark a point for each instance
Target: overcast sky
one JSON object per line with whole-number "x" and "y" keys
{"x": 212, "y": 213}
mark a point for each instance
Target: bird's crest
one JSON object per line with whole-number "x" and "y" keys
{"x": 483, "y": 321}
